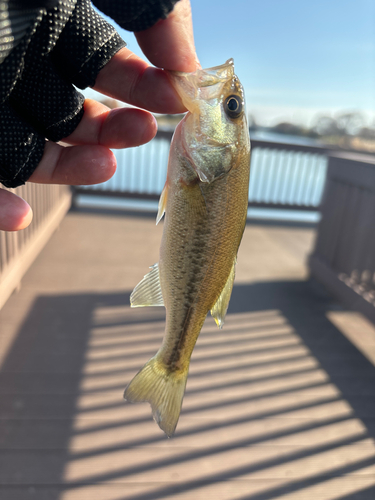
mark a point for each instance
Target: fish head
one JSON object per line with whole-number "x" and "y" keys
{"x": 214, "y": 131}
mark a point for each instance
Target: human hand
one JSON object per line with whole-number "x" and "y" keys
{"x": 170, "y": 45}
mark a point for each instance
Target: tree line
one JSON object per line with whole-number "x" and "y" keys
{"x": 341, "y": 129}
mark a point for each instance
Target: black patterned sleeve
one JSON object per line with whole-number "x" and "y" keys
{"x": 63, "y": 44}
{"x": 66, "y": 45}
{"x": 85, "y": 45}
{"x": 136, "y": 15}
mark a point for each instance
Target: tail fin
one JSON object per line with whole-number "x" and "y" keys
{"x": 162, "y": 389}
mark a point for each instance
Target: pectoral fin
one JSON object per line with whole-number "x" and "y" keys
{"x": 162, "y": 203}
{"x": 219, "y": 310}
{"x": 148, "y": 291}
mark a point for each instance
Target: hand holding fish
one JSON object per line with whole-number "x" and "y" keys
{"x": 205, "y": 202}
{"x": 168, "y": 44}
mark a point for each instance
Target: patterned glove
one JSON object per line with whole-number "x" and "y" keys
{"x": 46, "y": 47}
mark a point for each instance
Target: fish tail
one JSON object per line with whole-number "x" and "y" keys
{"x": 163, "y": 389}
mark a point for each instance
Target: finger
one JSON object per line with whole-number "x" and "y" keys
{"x": 75, "y": 165}
{"x": 169, "y": 44}
{"x": 130, "y": 79}
{"x": 116, "y": 128}
{"x": 15, "y": 213}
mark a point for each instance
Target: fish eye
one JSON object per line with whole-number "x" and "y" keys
{"x": 233, "y": 106}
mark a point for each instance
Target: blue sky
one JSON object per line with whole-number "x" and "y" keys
{"x": 295, "y": 58}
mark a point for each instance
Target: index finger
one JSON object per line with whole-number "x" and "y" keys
{"x": 129, "y": 78}
{"x": 169, "y": 44}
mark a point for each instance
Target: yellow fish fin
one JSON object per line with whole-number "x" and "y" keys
{"x": 148, "y": 291}
{"x": 219, "y": 309}
{"x": 163, "y": 389}
{"x": 162, "y": 203}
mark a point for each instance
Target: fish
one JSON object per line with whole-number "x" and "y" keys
{"x": 204, "y": 200}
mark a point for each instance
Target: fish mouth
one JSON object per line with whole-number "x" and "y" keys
{"x": 202, "y": 83}
{"x": 206, "y": 77}
{"x": 216, "y": 74}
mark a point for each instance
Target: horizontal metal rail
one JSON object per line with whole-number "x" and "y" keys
{"x": 155, "y": 197}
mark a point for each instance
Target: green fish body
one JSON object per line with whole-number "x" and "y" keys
{"x": 205, "y": 201}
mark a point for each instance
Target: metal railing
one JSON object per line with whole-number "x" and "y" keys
{"x": 19, "y": 249}
{"x": 287, "y": 176}
{"x": 344, "y": 255}
{"x": 283, "y": 176}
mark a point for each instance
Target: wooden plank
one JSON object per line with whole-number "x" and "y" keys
{"x": 364, "y": 243}
{"x": 350, "y": 214}
{"x": 330, "y": 224}
{"x": 356, "y": 170}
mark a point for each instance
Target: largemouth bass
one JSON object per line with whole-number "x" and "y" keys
{"x": 205, "y": 202}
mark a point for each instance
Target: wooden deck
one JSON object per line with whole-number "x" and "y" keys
{"x": 279, "y": 404}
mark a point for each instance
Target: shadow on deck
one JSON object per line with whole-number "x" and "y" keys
{"x": 278, "y": 404}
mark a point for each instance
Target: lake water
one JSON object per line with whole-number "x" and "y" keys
{"x": 265, "y": 135}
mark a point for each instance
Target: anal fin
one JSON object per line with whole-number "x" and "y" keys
{"x": 148, "y": 291}
{"x": 219, "y": 310}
